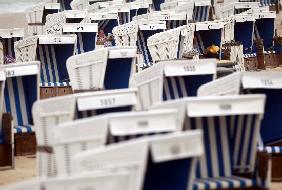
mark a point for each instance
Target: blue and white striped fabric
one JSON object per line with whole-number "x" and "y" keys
{"x": 183, "y": 86}
{"x": 143, "y": 35}
{"x": 214, "y": 170}
{"x": 250, "y": 55}
{"x": 246, "y": 37}
{"x": 19, "y": 95}
{"x": 9, "y": 43}
{"x": 65, "y": 4}
{"x": 53, "y": 71}
{"x": 264, "y": 28}
{"x": 124, "y": 17}
{"x": 86, "y": 41}
{"x": 265, "y": 3}
{"x": 201, "y": 13}
{"x": 271, "y": 149}
{"x": 170, "y": 24}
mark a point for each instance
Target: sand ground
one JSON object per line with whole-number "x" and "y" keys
{"x": 26, "y": 166}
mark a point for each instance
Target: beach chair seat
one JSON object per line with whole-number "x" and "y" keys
{"x": 21, "y": 91}
{"x": 67, "y": 144}
{"x": 252, "y": 83}
{"x": 48, "y": 114}
{"x": 8, "y": 39}
{"x": 173, "y": 79}
{"x": 108, "y": 101}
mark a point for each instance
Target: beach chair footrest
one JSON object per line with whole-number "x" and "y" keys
{"x": 25, "y": 144}
{"x": 48, "y": 92}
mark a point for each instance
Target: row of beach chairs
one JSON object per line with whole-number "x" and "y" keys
{"x": 140, "y": 115}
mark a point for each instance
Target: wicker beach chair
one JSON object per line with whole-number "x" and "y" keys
{"x": 173, "y": 79}
{"x": 21, "y": 91}
{"x": 48, "y": 114}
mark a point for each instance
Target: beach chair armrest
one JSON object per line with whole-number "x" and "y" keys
{"x": 7, "y": 128}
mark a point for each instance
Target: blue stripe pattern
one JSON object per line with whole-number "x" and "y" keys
{"x": 86, "y": 41}
{"x": 157, "y": 4}
{"x": 170, "y": 24}
{"x": 201, "y": 13}
{"x": 267, "y": 2}
{"x": 143, "y": 35}
{"x": 124, "y": 17}
{"x": 53, "y": 71}
{"x": 20, "y": 94}
{"x": 214, "y": 170}
{"x": 183, "y": 86}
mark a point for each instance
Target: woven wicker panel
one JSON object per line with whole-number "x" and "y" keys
{"x": 164, "y": 45}
{"x": 54, "y": 23}
{"x": 25, "y": 50}
{"x": 187, "y": 36}
{"x": 126, "y": 34}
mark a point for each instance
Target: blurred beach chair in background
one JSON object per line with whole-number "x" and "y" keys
{"x": 53, "y": 50}
{"x": 47, "y": 115}
{"x": 171, "y": 152}
{"x": 21, "y": 91}
{"x": 173, "y": 79}
{"x": 103, "y": 69}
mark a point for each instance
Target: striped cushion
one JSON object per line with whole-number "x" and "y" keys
{"x": 250, "y": 55}
{"x": 20, "y": 94}
{"x": 222, "y": 183}
{"x": 55, "y": 84}
{"x": 53, "y": 62}
{"x": 142, "y": 45}
{"x": 201, "y": 13}
{"x": 271, "y": 149}
{"x": 265, "y": 3}
{"x": 24, "y": 129}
